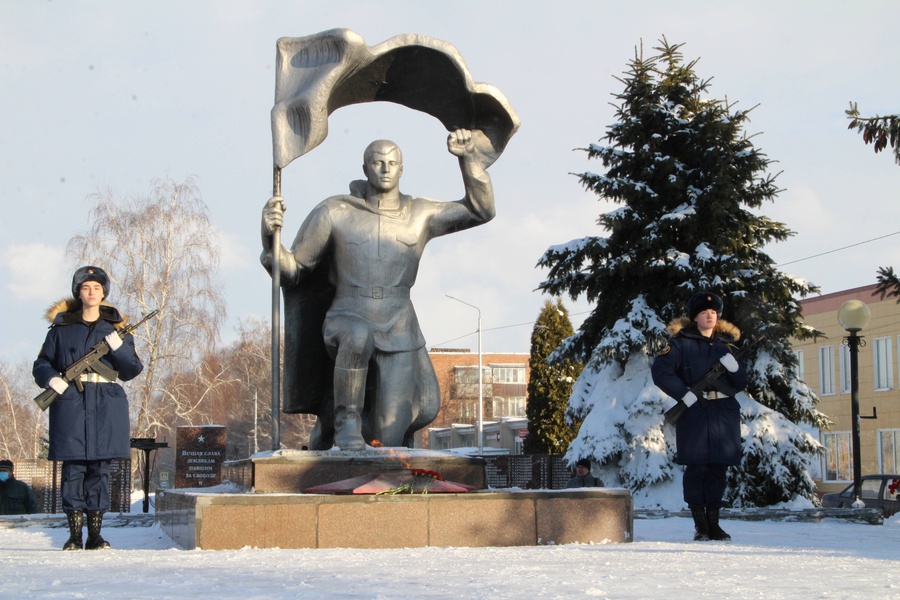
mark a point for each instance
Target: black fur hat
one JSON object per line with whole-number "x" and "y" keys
{"x": 90, "y": 273}
{"x": 704, "y": 301}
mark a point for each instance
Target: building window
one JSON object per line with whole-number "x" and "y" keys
{"x": 889, "y": 450}
{"x": 509, "y": 374}
{"x": 465, "y": 381}
{"x": 838, "y": 454}
{"x": 826, "y": 370}
{"x": 508, "y": 407}
{"x": 845, "y": 368}
{"x": 798, "y": 368}
{"x": 468, "y": 410}
{"x": 884, "y": 364}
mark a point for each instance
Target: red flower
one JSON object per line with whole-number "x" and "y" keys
{"x": 426, "y": 473}
{"x": 893, "y": 487}
{"x": 410, "y": 486}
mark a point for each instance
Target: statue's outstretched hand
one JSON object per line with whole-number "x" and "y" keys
{"x": 273, "y": 214}
{"x": 460, "y": 142}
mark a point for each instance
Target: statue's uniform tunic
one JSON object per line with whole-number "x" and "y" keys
{"x": 375, "y": 260}
{"x": 371, "y": 258}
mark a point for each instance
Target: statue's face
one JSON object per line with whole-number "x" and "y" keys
{"x": 383, "y": 167}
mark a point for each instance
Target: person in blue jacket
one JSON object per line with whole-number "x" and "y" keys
{"x": 89, "y": 424}
{"x": 708, "y": 434}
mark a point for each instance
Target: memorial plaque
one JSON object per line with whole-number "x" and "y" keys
{"x": 199, "y": 457}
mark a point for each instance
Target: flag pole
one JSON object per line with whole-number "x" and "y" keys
{"x": 276, "y": 321}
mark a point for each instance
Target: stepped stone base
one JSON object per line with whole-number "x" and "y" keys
{"x": 278, "y": 514}
{"x": 222, "y": 521}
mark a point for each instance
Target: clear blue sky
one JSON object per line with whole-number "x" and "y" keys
{"x": 110, "y": 95}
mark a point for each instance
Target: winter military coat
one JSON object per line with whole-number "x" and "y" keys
{"x": 710, "y": 434}
{"x": 93, "y": 424}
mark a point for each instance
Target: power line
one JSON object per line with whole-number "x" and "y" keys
{"x": 839, "y": 249}
{"x": 869, "y": 241}
{"x": 501, "y": 327}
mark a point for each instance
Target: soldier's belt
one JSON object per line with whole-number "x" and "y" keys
{"x": 714, "y": 395}
{"x": 375, "y": 292}
{"x": 93, "y": 378}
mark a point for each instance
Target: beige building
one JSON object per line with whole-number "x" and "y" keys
{"x": 825, "y": 367}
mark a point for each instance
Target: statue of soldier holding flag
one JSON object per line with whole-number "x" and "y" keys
{"x": 372, "y": 245}
{"x": 354, "y": 353}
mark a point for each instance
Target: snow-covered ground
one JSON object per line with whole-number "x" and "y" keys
{"x": 770, "y": 560}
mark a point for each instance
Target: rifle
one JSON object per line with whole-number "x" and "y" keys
{"x": 89, "y": 362}
{"x": 674, "y": 413}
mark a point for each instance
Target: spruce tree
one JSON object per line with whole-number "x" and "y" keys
{"x": 550, "y": 384}
{"x": 686, "y": 178}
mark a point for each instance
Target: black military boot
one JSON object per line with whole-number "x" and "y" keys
{"x": 712, "y": 521}
{"x": 701, "y": 527}
{"x": 94, "y": 523}
{"x": 76, "y": 522}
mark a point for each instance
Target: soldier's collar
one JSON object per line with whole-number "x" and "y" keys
{"x": 399, "y": 213}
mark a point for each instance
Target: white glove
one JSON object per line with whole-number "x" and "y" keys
{"x": 690, "y": 398}
{"x": 58, "y": 385}
{"x": 114, "y": 341}
{"x": 730, "y": 363}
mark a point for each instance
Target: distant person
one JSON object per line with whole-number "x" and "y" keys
{"x": 583, "y": 477}
{"x": 89, "y": 421}
{"x": 16, "y": 497}
{"x": 708, "y": 435}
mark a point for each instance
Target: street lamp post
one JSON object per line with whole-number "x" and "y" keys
{"x": 255, "y": 421}
{"x": 853, "y": 316}
{"x": 480, "y": 381}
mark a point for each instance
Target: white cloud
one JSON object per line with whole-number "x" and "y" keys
{"x": 36, "y": 271}
{"x": 234, "y": 253}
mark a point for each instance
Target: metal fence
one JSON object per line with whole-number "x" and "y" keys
{"x": 527, "y": 471}
{"x": 44, "y": 476}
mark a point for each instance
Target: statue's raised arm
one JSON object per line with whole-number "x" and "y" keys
{"x": 476, "y": 180}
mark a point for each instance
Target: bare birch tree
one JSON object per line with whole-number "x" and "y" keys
{"x": 22, "y": 425}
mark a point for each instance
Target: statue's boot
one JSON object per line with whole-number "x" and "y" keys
{"x": 349, "y": 397}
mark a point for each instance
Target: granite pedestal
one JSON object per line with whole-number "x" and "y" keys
{"x": 274, "y": 513}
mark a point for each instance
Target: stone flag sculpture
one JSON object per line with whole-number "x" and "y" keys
{"x": 318, "y": 74}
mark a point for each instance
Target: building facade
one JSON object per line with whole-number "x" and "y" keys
{"x": 824, "y": 365}
{"x": 504, "y": 388}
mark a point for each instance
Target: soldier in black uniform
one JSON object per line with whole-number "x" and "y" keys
{"x": 708, "y": 434}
